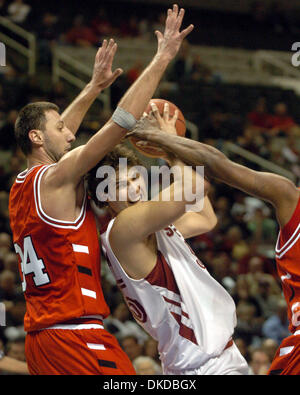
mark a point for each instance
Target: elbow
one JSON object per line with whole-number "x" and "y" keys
{"x": 207, "y": 186}
{"x": 211, "y": 223}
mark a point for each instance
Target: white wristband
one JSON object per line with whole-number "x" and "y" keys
{"x": 124, "y": 118}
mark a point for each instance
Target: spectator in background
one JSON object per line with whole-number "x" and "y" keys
{"x": 16, "y": 349}
{"x": 5, "y": 242}
{"x": 259, "y": 117}
{"x": 201, "y": 72}
{"x": 265, "y": 298}
{"x": 263, "y": 228}
{"x": 3, "y": 6}
{"x": 134, "y": 72}
{"x": 281, "y": 122}
{"x": 120, "y": 324}
{"x": 13, "y": 88}
{"x": 259, "y": 362}
{"x": 181, "y": 67}
{"x": 8, "y": 291}
{"x": 290, "y": 152}
{"x": 151, "y": 349}
{"x": 242, "y": 294}
{"x": 17, "y": 11}
{"x": 269, "y": 346}
{"x": 276, "y": 327}
{"x": 130, "y": 27}
{"x": 256, "y": 271}
{"x": 47, "y": 32}
{"x": 243, "y": 347}
{"x": 80, "y": 34}
{"x": 101, "y": 25}
{"x": 8, "y": 141}
{"x": 132, "y": 347}
{"x": 145, "y": 365}
{"x": 234, "y": 243}
{"x": 4, "y": 216}
{"x": 58, "y": 95}
{"x": 247, "y": 328}
{"x": 259, "y": 13}
{"x": 278, "y": 18}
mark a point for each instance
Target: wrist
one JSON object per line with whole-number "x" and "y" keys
{"x": 92, "y": 89}
{"x": 162, "y": 60}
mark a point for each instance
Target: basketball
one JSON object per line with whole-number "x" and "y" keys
{"x": 155, "y": 152}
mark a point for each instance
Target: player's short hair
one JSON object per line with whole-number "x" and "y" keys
{"x": 31, "y": 117}
{"x": 111, "y": 159}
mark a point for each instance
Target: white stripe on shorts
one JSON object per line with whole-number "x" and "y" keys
{"x": 88, "y": 292}
{"x": 76, "y": 326}
{"x": 94, "y": 346}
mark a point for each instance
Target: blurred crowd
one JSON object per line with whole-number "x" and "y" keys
{"x": 238, "y": 252}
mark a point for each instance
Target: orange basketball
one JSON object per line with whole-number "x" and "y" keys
{"x": 180, "y": 125}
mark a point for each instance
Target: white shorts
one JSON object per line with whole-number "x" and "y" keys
{"x": 230, "y": 362}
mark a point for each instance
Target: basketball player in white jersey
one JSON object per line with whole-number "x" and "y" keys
{"x": 168, "y": 290}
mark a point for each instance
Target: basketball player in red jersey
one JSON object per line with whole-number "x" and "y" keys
{"x": 280, "y": 192}
{"x": 53, "y": 226}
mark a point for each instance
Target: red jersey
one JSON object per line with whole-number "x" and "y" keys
{"x": 59, "y": 260}
{"x": 288, "y": 266}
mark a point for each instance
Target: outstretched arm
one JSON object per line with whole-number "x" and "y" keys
{"x": 77, "y": 163}
{"x": 277, "y": 190}
{"x": 102, "y": 78}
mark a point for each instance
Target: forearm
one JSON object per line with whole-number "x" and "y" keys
{"x": 76, "y": 111}
{"x": 191, "y": 152}
{"x": 14, "y": 366}
{"x": 141, "y": 92}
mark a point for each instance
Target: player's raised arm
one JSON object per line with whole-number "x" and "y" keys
{"x": 102, "y": 78}
{"x": 73, "y": 166}
{"x": 275, "y": 189}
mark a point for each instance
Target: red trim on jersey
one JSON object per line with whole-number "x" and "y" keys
{"x": 289, "y": 234}
{"x": 185, "y": 331}
{"x": 287, "y": 231}
{"x": 162, "y": 275}
{"x": 45, "y": 217}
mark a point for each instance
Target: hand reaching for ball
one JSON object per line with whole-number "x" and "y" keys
{"x": 161, "y": 116}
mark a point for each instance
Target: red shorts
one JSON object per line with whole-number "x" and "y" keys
{"x": 75, "y": 352}
{"x": 287, "y": 358}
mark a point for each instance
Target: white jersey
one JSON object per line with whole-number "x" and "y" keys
{"x": 179, "y": 303}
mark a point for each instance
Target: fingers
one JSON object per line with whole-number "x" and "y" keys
{"x": 156, "y": 112}
{"x": 175, "y": 117}
{"x": 106, "y": 51}
{"x": 179, "y": 18}
{"x": 115, "y": 75}
{"x": 186, "y": 31}
{"x": 159, "y": 35}
{"x": 166, "y": 112}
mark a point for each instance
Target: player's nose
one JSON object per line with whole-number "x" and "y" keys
{"x": 70, "y": 137}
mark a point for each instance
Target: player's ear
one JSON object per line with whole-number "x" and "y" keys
{"x": 36, "y": 137}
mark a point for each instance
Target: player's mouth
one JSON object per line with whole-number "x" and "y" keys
{"x": 136, "y": 200}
